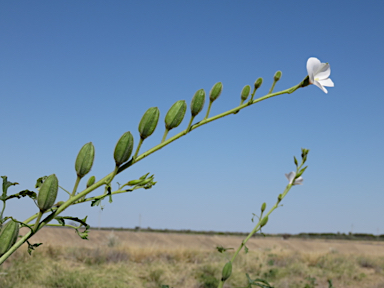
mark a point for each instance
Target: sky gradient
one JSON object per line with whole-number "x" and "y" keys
{"x": 74, "y": 72}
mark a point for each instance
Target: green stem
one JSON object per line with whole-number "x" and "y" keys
{"x": 137, "y": 149}
{"x": 37, "y": 221}
{"x": 190, "y": 124}
{"x": 76, "y": 185}
{"x": 165, "y": 135}
{"x": 209, "y": 110}
{"x": 273, "y": 87}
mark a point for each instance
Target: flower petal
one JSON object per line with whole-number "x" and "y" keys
{"x": 327, "y": 82}
{"x": 318, "y": 84}
{"x": 298, "y": 181}
{"x": 313, "y": 65}
{"x": 290, "y": 176}
{"x": 323, "y": 72}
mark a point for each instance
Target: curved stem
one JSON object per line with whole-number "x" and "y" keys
{"x": 76, "y": 185}
{"x": 138, "y": 148}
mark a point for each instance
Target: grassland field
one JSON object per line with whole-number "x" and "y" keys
{"x": 152, "y": 259}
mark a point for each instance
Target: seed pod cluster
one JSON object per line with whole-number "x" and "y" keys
{"x": 48, "y": 193}
{"x": 123, "y": 149}
{"x": 175, "y": 115}
{"x": 8, "y": 236}
{"x": 215, "y": 91}
{"x": 84, "y": 160}
{"x": 148, "y": 122}
{"x": 227, "y": 271}
{"x": 197, "y": 102}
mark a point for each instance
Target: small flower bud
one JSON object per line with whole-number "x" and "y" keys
{"x": 48, "y": 193}
{"x": 279, "y": 198}
{"x": 263, "y": 206}
{"x": 84, "y": 160}
{"x": 91, "y": 181}
{"x": 197, "y": 102}
{"x": 8, "y": 236}
{"x": 227, "y": 271}
{"x": 264, "y": 221}
{"x": 175, "y": 115}
{"x": 123, "y": 149}
{"x": 148, "y": 122}
{"x": 277, "y": 76}
{"x": 245, "y": 92}
{"x": 215, "y": 91}
{"x": 258, "y": 83}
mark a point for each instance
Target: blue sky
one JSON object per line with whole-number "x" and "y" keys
{"x": 74, "y": 72}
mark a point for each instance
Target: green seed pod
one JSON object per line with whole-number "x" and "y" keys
{"x": 91, "y": 181}
{"x": 263, "y": 206}
{"x": 175, "y": 115}
{"x": 215, "y": 91}
{"x": 84, "y": 160}
{"x": 123, "y": 149}
{"x": 264, "y": 221}
{"x": 8, "y": 236}
{"x": 48, "y": 193}
{"x": 148, "y": 122}
{"x": 245, "y": 92}
{"x": 277, "y": 76}
{"x": 197, "y": 102}
{"x": 227, "y": 271}
{"x": 258, "y": 83}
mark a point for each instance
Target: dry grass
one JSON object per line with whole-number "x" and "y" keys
{"x": 137, "y": 259}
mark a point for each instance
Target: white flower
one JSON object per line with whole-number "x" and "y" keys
{"x": 291, "y": 175}
{"x": 318, "y": 73}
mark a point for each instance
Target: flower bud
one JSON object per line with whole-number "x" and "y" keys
{"x": 48, "y": 193}
{"x": 197, "y": 102}
{"x": 8, "y": 236}
{"x": 148, "y": 122}
{"x": 84, "y": 160}
{"x": 227, "y": 271}
{"x": 258, "y": 83}
{"x": 215, "y": 91}
{"x": 245, "y": 92}
{"x": 91, "y": 181}
{"x": 123, "y": 148}
{"x": 175, "y": 115}
{"x": 277, "y": 76}
{"x": 263, "y": 206}
{"x": 264, "y": 221}
{"x": 280, "y": 197}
